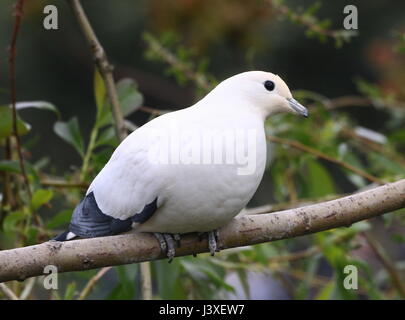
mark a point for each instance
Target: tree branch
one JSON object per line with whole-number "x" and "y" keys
{"x": 76, "y": 255}
{"x": 8, "y": 292}
{"x": 13, "y": 89}
{"x": 92, "y": 282}
{"x": 103, "y": 66}
{"x": 321, "y": 155}
{"x": 387, "y": 263}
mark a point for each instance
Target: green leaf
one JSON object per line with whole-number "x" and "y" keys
{"x": 326, "y": 292}
{"x": 381, "y": 164}
{"x": 70, "y": 132}
{"x": 59, "y": 219}
{"x": 167, "y": 279}
{"x": 129, "y": 96}
{"x": 107, "y": 137}
{"x": 13, "y": 166}
{"x": 130, "y": 99}
{"x": 31, "y": 235}
{"x": 6, "y": 123}
{"x": 12, "y": 219}
{"x": 99, "y": 90}
{"x": 243, "y": 278}
{"x": 319, "y": 181}
{"x": 203, "y": 270}
{"x": 40, "y": 197}
{"x": 70, "y": 291}
{"x": 10, "y": 166}
{"x": 42, "y": 105}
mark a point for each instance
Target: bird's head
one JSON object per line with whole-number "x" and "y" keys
{"x": 266, "y": 92}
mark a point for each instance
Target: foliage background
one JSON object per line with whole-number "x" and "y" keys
{"x": 71, "y": 137}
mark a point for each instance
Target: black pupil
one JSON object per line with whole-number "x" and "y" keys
{"x": 269, "y": 85}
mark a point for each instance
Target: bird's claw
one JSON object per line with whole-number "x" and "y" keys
{"x": 161, "y": 239}
{"x": 176, "y": 237}
{"x": 168, "y": 243}
{"x": 213, "y": 240}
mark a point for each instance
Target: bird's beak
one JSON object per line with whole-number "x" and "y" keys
{"x": 298, "y": 107}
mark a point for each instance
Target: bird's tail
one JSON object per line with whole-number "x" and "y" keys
{"x": 65, "y": 236}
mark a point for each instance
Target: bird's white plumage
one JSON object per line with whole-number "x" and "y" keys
{"x": 192, "y": 197}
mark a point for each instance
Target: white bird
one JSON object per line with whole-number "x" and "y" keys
{"x": 191, "y": 170}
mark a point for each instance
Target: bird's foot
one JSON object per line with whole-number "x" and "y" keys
{"x": 213, "y": 239}
{"x": 168, "y": 243}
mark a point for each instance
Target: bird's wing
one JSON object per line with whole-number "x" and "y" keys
{"x": 88, "y": 221}
{"x": 129, "y": 182}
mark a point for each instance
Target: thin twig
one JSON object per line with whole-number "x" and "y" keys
{"x": 8, "y": 292}
{"x": 92, "y": 282}
{"x": 321, "y": 155}
{"x": 89, "y": 152}
{"x": 18, "y": 13}
{"x": 8, "y": 197}
{"x": 27, "y": 289}
{"x": 153, "y": 111}
{"x": 366, "y": 145}
{"x": 269, "y": 208}
{"x": 199, "y": 78}
{"x": 359, "y": 101}
{"x": 146, "y": 281}
{"x": 309, "y": 22}
{"x": 104, "y": 67}
{"x": 289, "y": 180}
{"x": 64, "y": 184}
{"x": 294, "y": 256}
{"x": 387, "y": 263}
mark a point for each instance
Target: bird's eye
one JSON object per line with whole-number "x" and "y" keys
{"x": 269, "y": 85}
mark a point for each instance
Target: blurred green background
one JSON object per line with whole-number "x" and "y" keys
{"x": 218, "y": 39}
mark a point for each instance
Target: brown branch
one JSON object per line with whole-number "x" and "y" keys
{"x": 268, "y": 208}
{"x": 8, "y": 197}
{"x": 8, "y": 292}
{"x": 321, "y": 155}
{"x": 76, "y": 255}
{"x": 359, "y": 101}
{"x": 18, "y": 13}
{"x": 146, "y": 281}
{"x": 153, "y": 111}
{"x": 92, "y": 282}
{"x": 387, "y": 263}
{"x": 27, "y": 289}
{"x": 104, "y": 67}
{"x": 64, "y": 184}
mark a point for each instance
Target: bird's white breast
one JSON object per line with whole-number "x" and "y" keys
{"x": 204, "y": 195}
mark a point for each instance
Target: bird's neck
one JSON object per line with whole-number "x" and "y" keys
{"x": 228, "y": 107}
